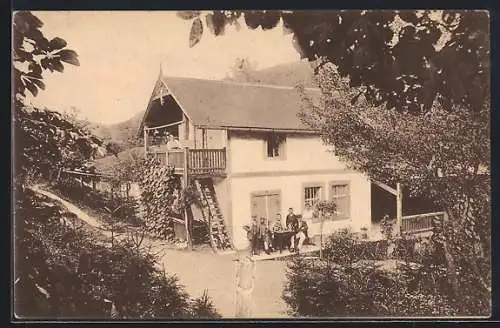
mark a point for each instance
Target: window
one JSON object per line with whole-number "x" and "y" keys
{"x": 341, "y": 197}
{"x": 275, "y": 146}
{"x": 312, "y": 195}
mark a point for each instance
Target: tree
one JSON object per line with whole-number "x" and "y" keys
{"x": 403, "y": 59}
{"x": 429, "y": 154}
{"x": 326, "y": 209}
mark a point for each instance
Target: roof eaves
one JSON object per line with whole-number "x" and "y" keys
{"x": 249, "y": 128}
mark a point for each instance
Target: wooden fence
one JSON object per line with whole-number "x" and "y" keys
{"x": 99, "y": 182}
{"x": 420, "y": 223}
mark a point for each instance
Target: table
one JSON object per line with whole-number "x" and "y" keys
{"x": 282, "y": 238}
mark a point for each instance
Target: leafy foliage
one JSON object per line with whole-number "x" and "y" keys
{"x": 405, "y": 59}
{"x": 63, "y": 272}
{"x": 345, "y": 247}
{"x": 48, "y": 142}
{"x": 326, "y": 208}
{"x": 357, "y": 279}
{"x": 33, "y": 53}
{"x": 443, "y": 163}
{"x": 326, "y": 289}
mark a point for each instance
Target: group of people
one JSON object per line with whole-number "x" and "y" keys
{"x": 276, "y": 236}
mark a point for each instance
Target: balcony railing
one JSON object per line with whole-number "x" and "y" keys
{"x": 421, "y": 222}
{"x": 196, "y": 161}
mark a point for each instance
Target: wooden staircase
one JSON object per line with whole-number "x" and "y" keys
{"x": 219, "y": 237}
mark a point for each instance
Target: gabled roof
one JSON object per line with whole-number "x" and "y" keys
{"x": 232, "y": 105}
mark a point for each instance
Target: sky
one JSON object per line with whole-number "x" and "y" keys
{"x": 120, "y": 54}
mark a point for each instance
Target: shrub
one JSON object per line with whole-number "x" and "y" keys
{"x": 65, "y": 273}
{"x": 343, "y": 247}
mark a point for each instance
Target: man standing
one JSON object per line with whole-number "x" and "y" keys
{"x": 254, "y": 236}
{"x": 290, "y": 219}
{"x": 264, "y": 235}
{"x": 292, "y": 225}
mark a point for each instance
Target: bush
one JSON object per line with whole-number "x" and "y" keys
{"x": 65, "y": 273}
{"x": 344, "y": 247}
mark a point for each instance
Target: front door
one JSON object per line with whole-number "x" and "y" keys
{"x": 265, "y": 205}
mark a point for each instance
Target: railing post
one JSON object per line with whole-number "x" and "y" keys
{"x": 399, "y": 208}
{"x": 185, "y": 179}
{"x": 224, "y": 157}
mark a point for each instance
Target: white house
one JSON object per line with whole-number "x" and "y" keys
{"x": 248, "y": 153}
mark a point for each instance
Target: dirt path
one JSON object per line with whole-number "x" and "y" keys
{"x": 202, "y": 269}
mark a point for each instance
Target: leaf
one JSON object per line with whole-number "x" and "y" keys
{"x": 39, "y": 83}
{"x": 32, "y": 88}
{"x": 196, "y": 32}
{"x": 58, "y": 66}
{"x": 210, "y": 23}
{"x": 68, "y": 56}
{"x": 57, "y": 43}
{"x": 188, "y": 14}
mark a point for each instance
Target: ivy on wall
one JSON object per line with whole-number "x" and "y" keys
{"x": 160, "y": 198}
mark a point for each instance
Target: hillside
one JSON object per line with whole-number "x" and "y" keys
{"x": 288, "y": 74}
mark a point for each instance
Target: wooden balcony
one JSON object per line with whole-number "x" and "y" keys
{"x": 197, "y": 162}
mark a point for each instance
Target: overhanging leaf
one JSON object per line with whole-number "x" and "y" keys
{"x": 68, "y": 56}
{"x": 188, "y": 14}
{"x": 196, "y": 32}
{"x": 58, "y": 66}
{"x": 57, "y": 43}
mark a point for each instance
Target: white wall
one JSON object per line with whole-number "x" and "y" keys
{"x": 302, "y": 152}
{"x": 291, "y": 187}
